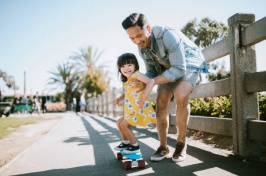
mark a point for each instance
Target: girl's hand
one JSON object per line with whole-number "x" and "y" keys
{"x": 117, "y": 101}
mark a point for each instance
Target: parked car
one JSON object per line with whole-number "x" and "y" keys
{"x": 5, "y": 108}
{"x": 24, "y": 108}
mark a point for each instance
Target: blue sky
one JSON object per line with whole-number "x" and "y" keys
{"x": 39, "y": 34}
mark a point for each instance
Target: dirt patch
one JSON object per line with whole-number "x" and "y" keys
{"x": 23, "y": 137}
{"x": 218, "y": 141}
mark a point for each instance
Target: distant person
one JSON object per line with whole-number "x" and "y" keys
{"x": 44, "y": 103}
{"x": 137, "y": 108}
{"x": 24, "y": 99}
{"x": 174, "y": 62}
{"x": 82, "y": 102}
{"x": 37, "y": 103}
{"x": 14, "y": 103}
{"x": 74, "y": 103}
{"x": 1, "y": 97}
{"x": 77, "y": 105}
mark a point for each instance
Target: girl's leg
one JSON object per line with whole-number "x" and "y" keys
{"x": 128, "y": 132}
{"x": 118, "y": 124}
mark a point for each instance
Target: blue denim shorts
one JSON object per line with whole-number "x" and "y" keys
{"x": 191, "y": 77}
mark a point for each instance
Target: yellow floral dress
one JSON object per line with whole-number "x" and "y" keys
{"x": 132, "y": 112}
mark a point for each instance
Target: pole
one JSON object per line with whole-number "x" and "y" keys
{"x": 25, "y": 70}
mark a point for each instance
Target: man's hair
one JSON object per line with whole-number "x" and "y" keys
{"x": 135, "y": 19}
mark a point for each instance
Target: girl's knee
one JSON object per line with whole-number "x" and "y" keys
{"x": 119, "y": 121}
{"x": 124, "y": 124}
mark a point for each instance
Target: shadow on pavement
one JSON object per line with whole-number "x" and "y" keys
{"x": 106, "y": 163}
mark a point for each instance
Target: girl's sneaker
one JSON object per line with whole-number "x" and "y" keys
{"x": 121, "y": 146}
{"x": 131, "y": 149}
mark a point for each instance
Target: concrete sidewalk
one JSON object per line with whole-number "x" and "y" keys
{"x": 82, "y": 144}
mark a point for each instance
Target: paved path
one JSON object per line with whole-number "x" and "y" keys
{"x": 82, "y": 144}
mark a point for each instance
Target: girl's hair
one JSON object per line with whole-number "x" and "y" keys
{"x": 127, "y": 58}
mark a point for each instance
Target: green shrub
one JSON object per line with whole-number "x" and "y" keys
{"x": 262, "y": 107}
{"x": 212, "y": 106}
{"x": 221, "y": 106}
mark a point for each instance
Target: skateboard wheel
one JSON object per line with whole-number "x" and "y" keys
{"x": 119, "y": 156}
{"x": 127, "y": 165}
{"x": 141, "y": 164}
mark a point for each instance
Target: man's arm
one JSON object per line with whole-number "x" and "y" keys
{"x": 149, "y": 85}
{"x": 175, "y": 48}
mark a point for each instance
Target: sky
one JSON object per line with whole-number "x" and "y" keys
{"x": 37, "y": 35}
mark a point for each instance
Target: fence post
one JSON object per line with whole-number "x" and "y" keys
{"x": 88, "y": 104}
{"x": 99, "y": 104}
{"x": 113, "y": 99}
{"x": 93, "y": 104}
{"x": 244, "y": 105}
{"x": 107, "y": 102}
{"x": 102, "y": 104}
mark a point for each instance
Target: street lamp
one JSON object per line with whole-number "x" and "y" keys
{"x": 25, "y": 71}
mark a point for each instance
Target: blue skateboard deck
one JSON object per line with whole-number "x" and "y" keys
{"x": 133, "y": 156}
{"x": 131, "y": 160}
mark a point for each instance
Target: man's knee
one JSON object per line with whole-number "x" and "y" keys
{"x": 182, "y": 100}
{"x": 182, "y": 92}
{"x": 163, "y": 101}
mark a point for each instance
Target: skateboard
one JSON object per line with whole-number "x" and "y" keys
{"x": 131, "y": 160}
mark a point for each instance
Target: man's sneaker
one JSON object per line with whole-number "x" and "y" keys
{"x": 160, "y": 154}
{"x": 131, "y": 149}
{"x": 121, "y": 146}
{"x": 180, "y": 152}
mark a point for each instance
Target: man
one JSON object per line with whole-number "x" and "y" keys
{"x": 174, "y": 62}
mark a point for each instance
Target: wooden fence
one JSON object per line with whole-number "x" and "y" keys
{"x": 248, "y": 132}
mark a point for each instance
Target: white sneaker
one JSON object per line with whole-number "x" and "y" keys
{"x": 180, "y": 152}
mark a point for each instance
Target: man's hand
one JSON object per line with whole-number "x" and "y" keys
{"x": 141, "y": 102}
{"x": 138, "y": 84}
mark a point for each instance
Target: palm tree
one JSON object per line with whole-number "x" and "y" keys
{"x": 65, "y": 77}
{"x": 95, "y": 78}
{"x": 9, "y": 80}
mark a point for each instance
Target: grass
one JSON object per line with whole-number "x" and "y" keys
{"x": 8, "y": 125}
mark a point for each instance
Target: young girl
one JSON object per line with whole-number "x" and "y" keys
{"x": 137, "y": 108}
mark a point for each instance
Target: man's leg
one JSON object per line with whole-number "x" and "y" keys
{"x": 162, "y": 103}
{"x": 183, "y": 89}
{"x": 163, "y": 98}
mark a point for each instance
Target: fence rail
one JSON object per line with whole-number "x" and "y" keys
{"x": 248, "y": 132}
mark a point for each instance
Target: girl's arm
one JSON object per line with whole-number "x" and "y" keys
{"x": 117, "y": 101}
{"x": 149, "y": 85}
